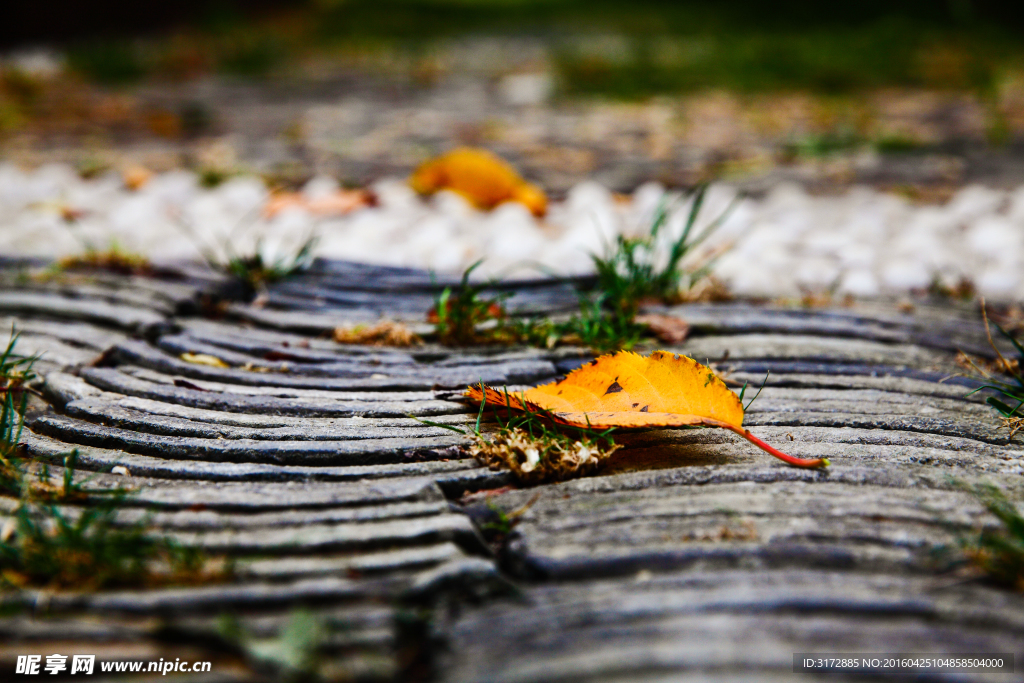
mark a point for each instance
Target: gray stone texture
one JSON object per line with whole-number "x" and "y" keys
{"x": 690, "y": 556}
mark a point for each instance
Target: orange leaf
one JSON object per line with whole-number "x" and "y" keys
{"x": 484, "y": 179}
{"x": 630, "y": 391}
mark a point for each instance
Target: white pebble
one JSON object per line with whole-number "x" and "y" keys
{"x": 905, "y": 274}
{"x": 859, "y": 283}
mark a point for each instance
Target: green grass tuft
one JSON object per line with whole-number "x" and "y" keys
{"x": 999, "y": 552}
{"x": 633, "y": 271}
{"x": 458, "y": 313}
{"x": 256, "y": 273}
{"x": 604, "y": 328}
{"x": 48, "y": 540}
{"x": 1006, "y": 379}
{"x": 636, "y": 269}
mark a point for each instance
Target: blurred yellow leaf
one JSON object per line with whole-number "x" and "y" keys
{"x": 481, "y": 177}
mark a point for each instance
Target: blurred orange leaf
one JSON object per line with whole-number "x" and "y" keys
{"x": 482, "y": 178}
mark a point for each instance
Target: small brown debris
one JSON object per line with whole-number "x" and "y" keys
{"x": 135, "y": 177}
{"x": 816, "y": 300}
{"x": 185, "y": 384}
{"x": 384, "y": 333}
{"x": 70, "y": 214}
{"x": 985, "y": 367}
{"x": 963, "y": 290}
{"x": 706, "y": 291}
{"x": 539, "y": 459}
{"x": 114, "y": 260}
{"x": 746, "y": 532}
{"x": 666, "y": 328}
{"x": 335, "y": 204}
{"x": 252, "y": 367}
{"x": 1014, "y": 425}
{"x": 471, "y": 497}
{"x": 204, "y": 359}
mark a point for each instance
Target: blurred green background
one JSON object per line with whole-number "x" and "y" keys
{"x": 622, "y": 49}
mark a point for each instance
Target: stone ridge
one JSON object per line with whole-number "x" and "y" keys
{"x": 690, "y": 556}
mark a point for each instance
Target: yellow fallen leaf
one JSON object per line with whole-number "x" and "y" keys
{"x": 204, "y": 359}
{"x": 629, "y": 391}
{"x": 481, "y": 177}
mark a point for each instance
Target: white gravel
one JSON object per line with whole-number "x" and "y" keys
{"x": 862, "y": 243}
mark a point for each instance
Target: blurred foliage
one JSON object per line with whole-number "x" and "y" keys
{"x": 601, "y": 47}
{"x": 110, "y": 62}
{"x": 998, "y": 551}
{"x": 253, "y": 56}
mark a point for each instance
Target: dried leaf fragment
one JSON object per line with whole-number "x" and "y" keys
{"x": 204, "y": 359}
{"x": 667, "y": 328}
{"x": 335, "y": 204}
{"x": 114, "y": 260}
{"x": 135, "y": 177}
{"x": 626, "y": 390}
{"x": 384, "y": 333}
{"x": 539, "y": 459}
{"x": 1013, "y": 425}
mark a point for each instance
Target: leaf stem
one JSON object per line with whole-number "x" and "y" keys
{"x": 745, "y": 433}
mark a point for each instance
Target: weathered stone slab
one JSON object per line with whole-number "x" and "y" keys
{"x": 200, "y": 521}
{"x": 258, "y": 496}
{"x": 170, "y": 601}
{"x": 391, "y": 377}
{"x": 808, "y": 348}
{"x": 333, "y": 452}
{"x": 312, "y": 537}
{"x": 269, "y": 389}
{"x": 81, "y": 335}
{"x": 89, "y": 310}
{"x": 111, "y": 414}
{"x": 242, "y": 351}
{"x": 51, "y": 352}
{"x": 307, "y": 294}
{"x": 369, "y": 563}
{"x": 912, "y": 383}
{"x": 721, "y": 625}
{"x": 113, "y": 380}
{"x": 846, "y": 447}
{"x": 258, "y": 341}
{"x": 93, "y": 396}
{"x": 691, "y": 556}
{"x": 304, "y": 322}
{"x": 450, "y": 473}
{"x": 944, "y": 332}
{"x": 757, "y": 523}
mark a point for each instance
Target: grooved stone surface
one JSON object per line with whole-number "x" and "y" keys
{"x": 690, "y": 556}
{"x": 713, "y": 563}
